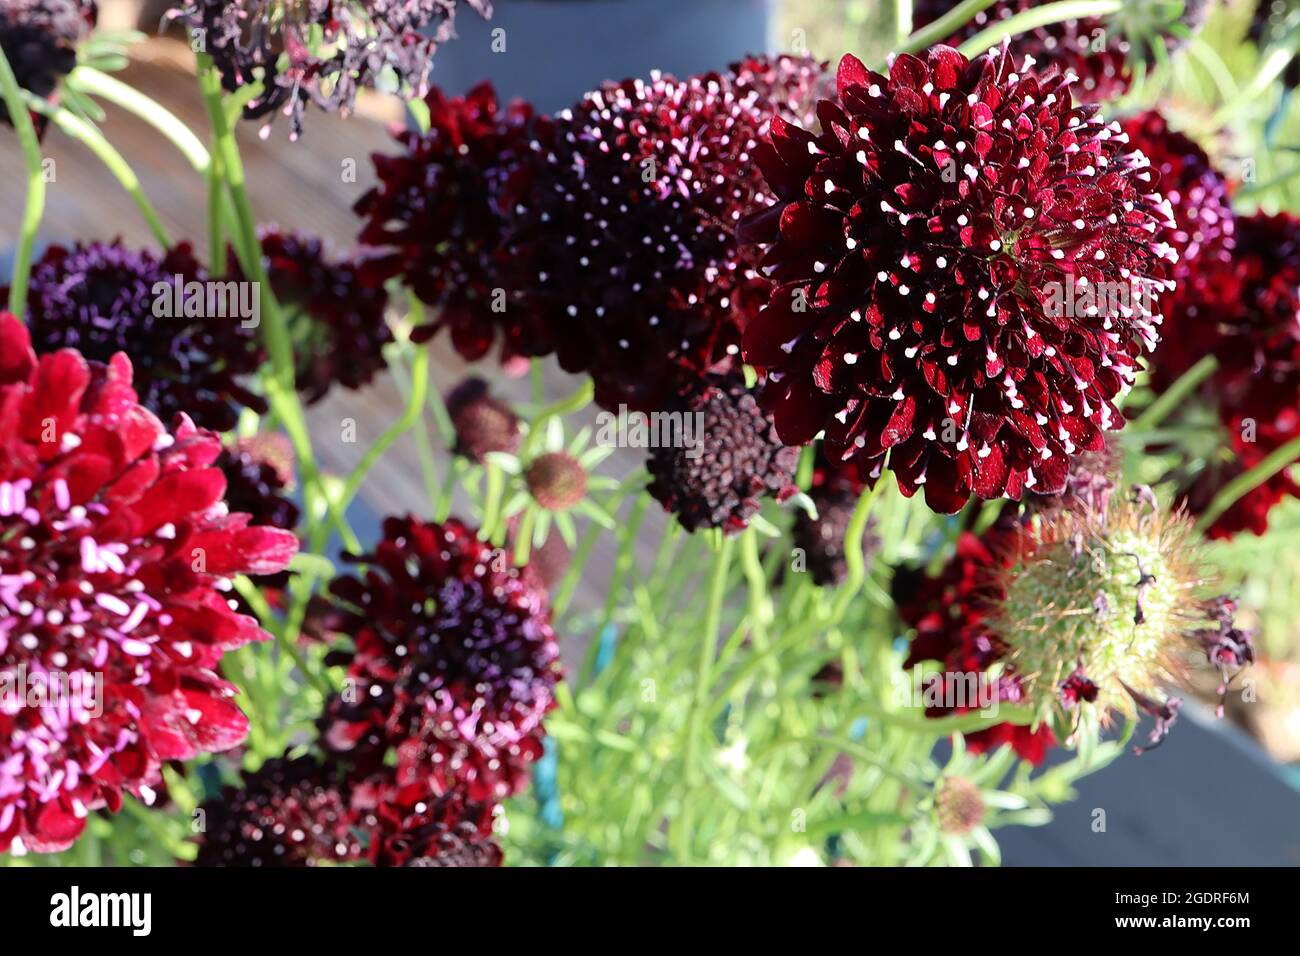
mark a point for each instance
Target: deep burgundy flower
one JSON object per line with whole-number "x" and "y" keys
{"x": 950, "y": 614}
{"x": 39, "y": 39}
{"x": 414, "y": 824}
{"x": 116, "y": 553}
{"x": 453, "y": 663}
{"x": 321, "y": 51}
{"x": 259, "y": 478}
{"x": 103, "y": 298}
{"x": 790, "y": 85}
{"x": 338, "y": 324}
{"x": 1098, "y": 50}
{"x": 625, "y": 245}
{"x": 726, "y": 458}
{"x": 437, "y": 213}
{"x": 1204, "y": 227}
{"x": 290, "y": 812}
{"x": 483, "y": 424}
{"x": 927, "y": 258}
{"x": 1250, "y": 322}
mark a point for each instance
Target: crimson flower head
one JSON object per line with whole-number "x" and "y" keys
{"x": 102, "y": 298}
{"x": 965, "y": 269}
{"x": 437, "y": 213}
{"x": 415, "y": 824}
{"x": 116, "y": 553}
{"x": 625, "y": 245}
{"x": 453, "y": 663}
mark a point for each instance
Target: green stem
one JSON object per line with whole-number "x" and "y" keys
{"x": 92, "y": 81}
{"x": 853, "y": 553}
{"x": 1175, "y": 394}
{"x": 411, "y": 415}
{"x": 35, "y": 205}
{"x": 902, "y": 20}
{"x": 1248, "y": 481}
{"x": 1036, "y": 17}
{"x": 78, "y": 129}
{"x": 945, "y": 26}
{"x": 680, "y": 833}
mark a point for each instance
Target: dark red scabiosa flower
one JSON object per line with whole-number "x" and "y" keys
{"x": 288, "y": 813}
{"x": 453, "y": 661}
{"x": 116, "y": 553}
{"x": 625, "y": 245}
{"x": 338, "y": 325}
{"x": 414, "y": 824}
{"x": 1100, "y": 51}
{"x": 1204, "y": 227}
{"x": 822, "y": 538}
{"x": 790, "y": 85}
{"x": 321, "y": 51}
{"x": 725, "y": 459}
{"x": 483, "y": 424}
{"x": 1250, "y": 322}
{"x": 437, "y": 215}
{"x": 103, "y": 298}
{"x": 950, "y": 614}
{"x": 39, "y": 39}
{"x": 927, "y": 257}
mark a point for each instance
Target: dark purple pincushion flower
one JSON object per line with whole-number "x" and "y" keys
{"x": 39, "y": 39}
{"x": 919, "y": 252}
{"x": 436, "y": 216}
{"x": 453, "y": 661}
{"x": 625, "y": 245}
{"x": 289, "y": 812}
{"x": 321, "y": 51}
{"x": 104, "y": 298}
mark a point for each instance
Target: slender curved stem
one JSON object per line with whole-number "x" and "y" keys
{"x": 1176, "y": 394}
{"x": 86, "y": 134}
{"x": 411, "y": 415}
{"x": 1281, "y": 457}
{"x": 945, "y": 26}
{"x": 92, "y": 81}
{"x": 35, "y": 205}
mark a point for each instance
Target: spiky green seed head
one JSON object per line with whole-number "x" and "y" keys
{"x": 1098, "y": 605}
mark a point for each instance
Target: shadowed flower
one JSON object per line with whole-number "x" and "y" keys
{"x": 116, "y": 553}
{"x": 39, "y": 39}
{"x": 103, "y": 298}
{"x": 453, "y": 661}
{"x": 483, "y": 423}
{"x": 437, "y": 213}
{"x": 287, "y": 813}
{"x": 920, "y": 251}
{"x": 625, "y": 245}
